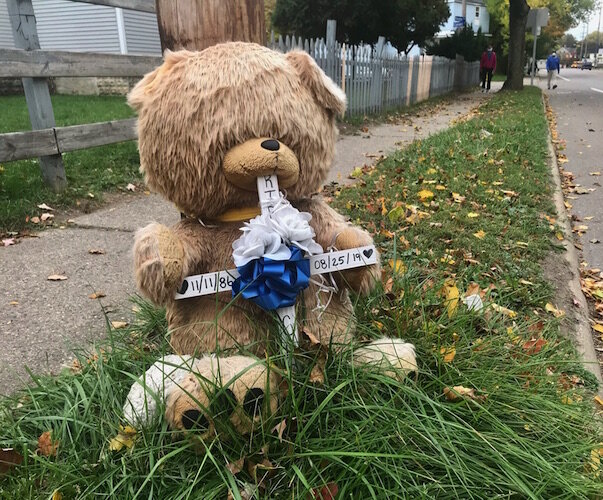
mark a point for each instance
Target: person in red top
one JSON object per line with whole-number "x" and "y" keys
{"x": 487, "y": 65}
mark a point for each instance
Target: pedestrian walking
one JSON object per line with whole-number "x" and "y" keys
{"x": 552, "y": 64}
{"x": 487, "y": 65}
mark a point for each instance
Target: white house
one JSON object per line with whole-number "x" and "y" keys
{"x": 73, "y": 26}
{"x": 477, "y": 16}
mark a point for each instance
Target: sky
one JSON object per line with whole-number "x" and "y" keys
{"x": 592, "y": 26}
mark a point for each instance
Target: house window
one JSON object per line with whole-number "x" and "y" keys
{"x": 476, "y": 12}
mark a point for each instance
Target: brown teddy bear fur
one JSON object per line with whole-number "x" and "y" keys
{"x": 193, "y": 110}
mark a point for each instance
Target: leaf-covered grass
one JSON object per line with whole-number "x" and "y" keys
{"x": 529, "y": 431}
{"x": 94, "y": 170}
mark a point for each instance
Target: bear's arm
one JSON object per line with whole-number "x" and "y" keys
{"x": 332, "y": 230}
{"x": 164, "y": 256}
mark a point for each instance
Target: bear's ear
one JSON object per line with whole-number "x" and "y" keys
{"x": 326, "y": 92}
{"x": 144, "y": 87}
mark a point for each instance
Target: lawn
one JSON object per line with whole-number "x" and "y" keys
{"x": 500, "y": 408}
{"x": 90, "y": 172}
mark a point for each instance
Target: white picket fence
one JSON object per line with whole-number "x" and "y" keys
{"x": 376, "y": 80}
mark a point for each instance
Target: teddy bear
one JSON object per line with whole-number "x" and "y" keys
{"x": 209, "y": 124}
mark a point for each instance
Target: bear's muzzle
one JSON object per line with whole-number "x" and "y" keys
{"x": 244, "y": 163}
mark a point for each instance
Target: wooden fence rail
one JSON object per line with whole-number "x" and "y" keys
{"x": 57, "y": 140}
{"x": 50, "y": 63}
{"x": 374, "y": 80}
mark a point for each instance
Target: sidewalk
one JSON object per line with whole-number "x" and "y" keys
{"x": 42, "y": 321}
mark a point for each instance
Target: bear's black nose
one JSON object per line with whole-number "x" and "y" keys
{"x": 271, "y": 145}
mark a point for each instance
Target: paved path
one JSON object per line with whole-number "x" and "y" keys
{"x": 578, "y": 104}
{"x": 42, "y": 321}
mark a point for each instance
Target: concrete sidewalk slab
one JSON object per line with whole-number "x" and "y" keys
{"x": 42, "y": 321}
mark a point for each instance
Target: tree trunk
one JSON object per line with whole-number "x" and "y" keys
{"x": 518, "y": 18}
{"x": 198, "y": 24}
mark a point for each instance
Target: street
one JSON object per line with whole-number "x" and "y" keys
{"x": 578, "y": 103}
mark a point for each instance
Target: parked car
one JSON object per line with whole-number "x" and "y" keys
{"x": 586, "y": 64}
{"x": 575, "y": 64}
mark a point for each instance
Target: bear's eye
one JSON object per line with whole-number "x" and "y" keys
{"x": 254, "y": 399}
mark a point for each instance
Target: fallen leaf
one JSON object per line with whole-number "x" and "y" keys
{"x": 594, "y": 241}
{"x": 581, "y": 190}
{"x": 503, "y": 310}
{"x": 131, "y": 187}
{"x": 43, "y": 206}
{"x": 57, "y": 495}
{"x": 397, "y": 266}
{"x": 90, "y": 195}
{"x": 9, "y": 458}
{"x": 8, "y": 242}
{"x": 459, "y": 392}
{"x": 480, "y": 234}
{"x": 458, "y": 198}
{"x": 595, "y": 173}
{"x": 311, "y": 336}
{"x": 280, "y": 429}
{"x": 598, "y": 328}
{"x": 448, "y": 353}
{"x": 396, "y": 214}
{"x": 57, "y": 277}
{"x": 96, "y": 295}
{"x": 357, "y": 172}
{"x": 125, "y": 438}
{"x": 534, "y": 346}
{"x": 34, "y": 220}
{"x": 559, "y": 235}
{"x": 118, "y": 324}
{"x": 327, "y": 492}
{"x": 96, "y": 251}
{"x": 599, "y": 401}
{"x": 46, "y": 446}
{"x": 553, "y": 310}
{"x": 46, "y": 216}
{"x": 425, "y": 194}
{"x": 451, "y": 294}
{"x": 236, "y": 466}
{"x": 260, "y": 471}
{"x": 472, "y": 215}
{"x": 317, "y": 375}
{"x": 13, "y": 303}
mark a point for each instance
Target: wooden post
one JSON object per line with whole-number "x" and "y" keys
{"x": 37, "y": 95}
{"x": 198, "y": 24}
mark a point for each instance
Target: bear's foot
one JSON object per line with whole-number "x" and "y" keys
{"x": 236, "y": 389}
{"x": 392, "y": 357}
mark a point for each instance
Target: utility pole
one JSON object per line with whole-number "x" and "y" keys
{"x": 599, "y": 29}
{"x": 198, "y": 24}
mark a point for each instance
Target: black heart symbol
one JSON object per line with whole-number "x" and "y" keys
{"x": 368, "y": 252}
{"x": 183, "y": 287}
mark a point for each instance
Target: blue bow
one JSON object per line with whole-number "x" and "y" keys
{"x": 273, "y": 283}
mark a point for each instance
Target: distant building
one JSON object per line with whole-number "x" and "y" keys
{"x": 81, "y": 27}
{"x": 477, "y": 16}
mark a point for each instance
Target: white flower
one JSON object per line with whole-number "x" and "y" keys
{"x": 269, "y": 235}
{"x": 256, "y": 242}
{"x": 294, "y": 228}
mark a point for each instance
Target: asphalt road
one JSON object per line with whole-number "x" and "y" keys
{"x": 578, "y": 103}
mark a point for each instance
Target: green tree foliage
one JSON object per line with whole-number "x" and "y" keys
{"x": 564, "y": 14}
{"x": 464, "y": 42}
{"x": 568, "y": 40}
{"x": 405, "y": 23}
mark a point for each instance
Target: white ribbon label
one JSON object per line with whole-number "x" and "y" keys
{"x": 221, "y": 281}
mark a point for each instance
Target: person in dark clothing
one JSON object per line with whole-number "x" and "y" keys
{"x": 552, "y": 64}
{"x": 487, "y": 65}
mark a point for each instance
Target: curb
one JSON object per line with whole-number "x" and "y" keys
{"x": 582, "y": 328}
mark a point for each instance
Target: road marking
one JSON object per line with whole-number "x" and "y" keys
{"x": 563, "y": 78}
{"x": 596, "y": 90}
